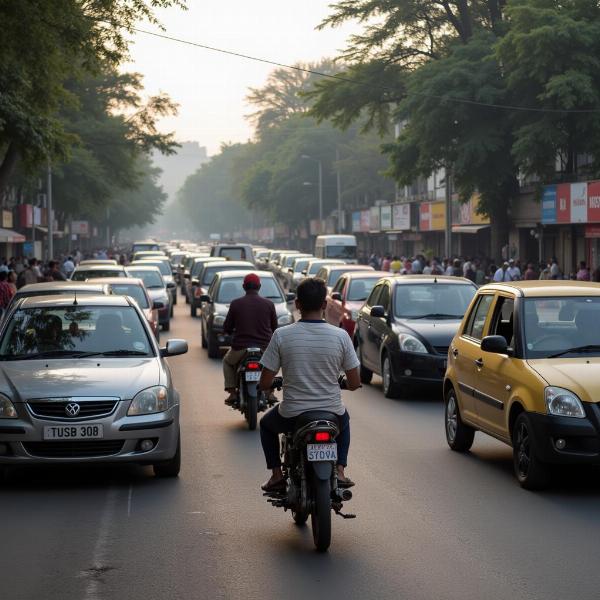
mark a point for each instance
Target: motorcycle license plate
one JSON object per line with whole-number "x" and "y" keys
{"x": 321, "y": 452}
{"x": 252, "y": 375}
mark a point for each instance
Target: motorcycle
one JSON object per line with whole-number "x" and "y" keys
{"x": 309, "y": 459}
{"x": 251, "y": 399}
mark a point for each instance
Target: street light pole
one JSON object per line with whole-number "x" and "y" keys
{"x": 448, "y": 228}
{"x": 320, "y": 165}
{"x": 339, "y": 190}
{"x": 50, "y": 215}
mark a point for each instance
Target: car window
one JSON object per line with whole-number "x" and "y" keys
{"x": 231, "y": 288}
{"x": 83, "y": 274}
{"x": 503, "y": 321}
{"x": 478, "y": 316}
{"x": 233, "y": 253}
{"x": 384, "y": 298}
{"x": 163, "y": 266}
{"x": 339, "y": 286}
{"x": 151, "y": 279}
{"x": 322, "y": 274}
{"x": 300, "y": 265}
{"x": 360, "y": 289}
{"x": 130, "y": 289}
{"x": 374, "y": 296}
{"x": 432, "y": 300}
{"x": 71, "y": 330}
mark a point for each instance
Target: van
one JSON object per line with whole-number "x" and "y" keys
{"x": 342, "y": 247}
{"x": 233, "y": 252}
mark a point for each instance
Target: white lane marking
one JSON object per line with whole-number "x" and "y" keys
{"x": 129, "y": 500}
{"x": 197, "y": 512}
{"x": 99, "y": 566}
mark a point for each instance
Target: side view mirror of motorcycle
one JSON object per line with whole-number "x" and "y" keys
{"x": 205, "y": 298}
{"x": 336, "y": 296}
{"x": 378, "y": 312}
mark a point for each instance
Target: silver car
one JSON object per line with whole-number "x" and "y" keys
{"x": 82, "y": 379}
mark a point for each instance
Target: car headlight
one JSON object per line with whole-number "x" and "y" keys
{"x": 409, "y": 343}
{"x": 563, "y": 403}
{"x": 218, "y": 320}
{"x": 7, "y": 408}
{"x": 285, "y": 319}
{"x": 148, "y": 401}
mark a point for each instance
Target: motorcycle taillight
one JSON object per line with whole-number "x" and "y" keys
{"x": 322, "y": 436}
{"x": 253, "y": 366}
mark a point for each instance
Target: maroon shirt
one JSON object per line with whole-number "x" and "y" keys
{"x": 252, "y": 320}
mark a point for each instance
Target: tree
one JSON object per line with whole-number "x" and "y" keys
{"x": 43, "y": 46}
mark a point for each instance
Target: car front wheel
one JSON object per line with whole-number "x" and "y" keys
{"x": 532, "y": 474}
{"x": 366, "y": 375}
{"x": 458, "y": 435}
{"x": 391, "y": 389}
{"x": 169, "y": 468}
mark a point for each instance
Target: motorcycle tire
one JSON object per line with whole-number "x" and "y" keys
{"x": 251, "y": 410}
{"x": 320, "y": 517}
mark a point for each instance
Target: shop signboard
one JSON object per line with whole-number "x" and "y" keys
{"x": 549, "y": 205}
{"x": 7, "y": 219}
{"x": 425, "y": 216}
{"x": 579, "y": 202}
{"x": 356, "y": 221}
{"x": 592, "y": 231}
{"x": 563, "y": 203}
{"x": 365, "y": 220}
{"x": 80, "y": 227}
{"x": 593, "y": 197}
{"x": 374, "y": 219}
{"x": 401, "y": 217}
{"x": 315, "y": 227}
{"x": 386, "y": 217}
{"x": 438, "y": 216}
{"x": 25, "y": 215}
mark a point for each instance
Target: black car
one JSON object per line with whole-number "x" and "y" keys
{"x": 404, "y": 329}
{"x": 193, "y": 287}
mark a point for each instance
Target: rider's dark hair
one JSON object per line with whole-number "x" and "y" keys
{"x": 311, "y": 294}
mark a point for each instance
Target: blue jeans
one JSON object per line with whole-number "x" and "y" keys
{"x": 272, "y": 424}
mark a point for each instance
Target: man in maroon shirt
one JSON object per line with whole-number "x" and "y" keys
{"x": 251, "y": 320}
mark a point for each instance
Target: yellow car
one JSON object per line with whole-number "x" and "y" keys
{"x": 524, "y": 368}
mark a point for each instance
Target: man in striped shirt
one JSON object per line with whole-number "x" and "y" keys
{"x": 311, "y": 354}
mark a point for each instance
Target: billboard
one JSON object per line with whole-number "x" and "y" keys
{"x": 365, "y": 220}
{"x": 356, "y": 221}
{"x": 374, "y": 219}
{"x": 401, "y": 217}
{"x": 386, "y": 217}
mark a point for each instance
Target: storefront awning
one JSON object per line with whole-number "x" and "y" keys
{"x": 8, "y": 236}
{"x": 468, "y": 228}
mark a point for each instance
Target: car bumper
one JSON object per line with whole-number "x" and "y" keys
{"x": 412, "y": 368}
{"x": 164, "y": 315}
{"x": 22, "y": 441}
{"x": 582, "y": 437}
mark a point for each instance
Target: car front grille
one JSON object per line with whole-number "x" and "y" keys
{"x": 74, "y": 449}
{"x": 441, "y": 350}
{"x": 87, "y": 409}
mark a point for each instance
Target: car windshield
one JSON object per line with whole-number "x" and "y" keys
{"x": 360, "y": 289}
{"x": 435, "y": 300}
{"x": 300, "y": 265}
{"x": 133, "y": 290}
{"x": 151, "y": 279}
{"x": 210, "y": 272}
{"x": 343, "y": 252}
{"x": 232, "y": 253}
{"x": 314, "y": 268}
{"x": 231, "y": 288}
{"x": 566, "y": 326}
{"x": 176, "y": 258}
{"x": 163, "y": 266}
{"x": 335, "y": 274}
{"x": 74, "y": 332}
{"x": 144, "y": 247}
{"x": 288, "y": 261}
{"x": 83, "y": 274}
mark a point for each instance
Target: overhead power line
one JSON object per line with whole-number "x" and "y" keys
{"x": 445, "y": 98}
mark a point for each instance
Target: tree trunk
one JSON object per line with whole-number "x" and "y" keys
{"x": 9, "y": 162}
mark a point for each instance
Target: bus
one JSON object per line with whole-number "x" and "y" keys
{"x": 337, "y": 246}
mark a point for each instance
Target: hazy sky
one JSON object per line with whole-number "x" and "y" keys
{"x": 210, "y": 87}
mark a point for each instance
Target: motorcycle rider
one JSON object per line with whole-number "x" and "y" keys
{"x": 251, "y": 320}
{"x": 311, "y": 354}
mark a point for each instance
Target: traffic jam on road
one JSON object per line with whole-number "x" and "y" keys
{"x": 84, "y": 379}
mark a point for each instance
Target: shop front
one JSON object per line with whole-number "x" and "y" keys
{"x": 470, "y": 230}
{"x": 432, "y": 226}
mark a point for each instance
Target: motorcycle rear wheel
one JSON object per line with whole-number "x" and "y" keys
{"x": 320, "y": 517}
{"x": 251, "y": 411}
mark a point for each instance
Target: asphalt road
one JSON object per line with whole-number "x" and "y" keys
{"x": 431, "y": 524}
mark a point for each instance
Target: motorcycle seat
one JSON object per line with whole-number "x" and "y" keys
{"x": 314, "y": 415}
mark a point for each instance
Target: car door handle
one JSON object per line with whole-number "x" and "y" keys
{"x": 479, "y": 362}
{"x": 455, "y": 352}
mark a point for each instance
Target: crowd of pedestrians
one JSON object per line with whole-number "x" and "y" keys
{"x": 479, "y": 270}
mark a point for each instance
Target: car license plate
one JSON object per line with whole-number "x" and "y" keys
{"x": 321, "y": 452}
{"x": 89, "y": 431}
{"x": 252, "y": 375}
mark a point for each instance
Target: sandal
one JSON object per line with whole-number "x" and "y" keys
{"x": 273, "y": 486}
{"x": 345, "y": 482}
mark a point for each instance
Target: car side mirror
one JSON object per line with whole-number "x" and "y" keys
{"x": 157, "y": 305}
{"x": 495, "y": 344}
{"x": 305, "y": 272}
{"x": 205, "y": 298}
{"x": 290, "y": 297}
{"x": 378, "y": 312}
{"x": 174, "y": 348}
{"x": 195, "y": 281}
{"x": 336, "y": 296}
{"x": 170, "y": 284}
{"x": 186, "y": 275}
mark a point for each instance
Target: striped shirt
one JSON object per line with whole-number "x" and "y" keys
{"x": 311, "y": 355}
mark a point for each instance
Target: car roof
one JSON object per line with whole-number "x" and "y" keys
{"x": 238, "y": 263}
{"x": 69, "y": 300}
{"x": 327, "y": 261}
{"x": 367, "y": 274}
{"x": 347, "y": 267}
{"x": 232, "y": 274}
{"x": 118, "y": 268}
{"x": 544, "y": 288}
{"x": 404, "y": 279}
{"x": 209, "y": 259}
{"x": 98, "y": 261}
{"x": 53, "y": 285}
{"x": 145, "y": 268}
{"x": 118, "y": 280}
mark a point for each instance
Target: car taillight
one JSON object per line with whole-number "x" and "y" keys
{"x": 322, "y": 436}
{"x": 253, "y": 366}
